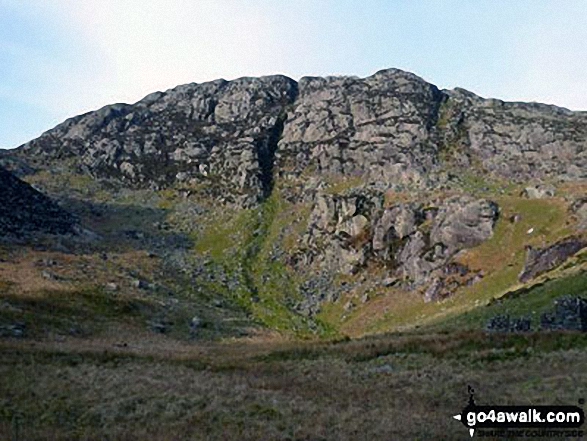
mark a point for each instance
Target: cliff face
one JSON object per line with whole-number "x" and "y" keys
{"x": 220, "y": 133}
{"x": 381, "y": 129}
{"x": 387, "y": 176}
{"x": 518, "y": 141}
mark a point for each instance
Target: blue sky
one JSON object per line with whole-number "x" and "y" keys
{"x": 59, "y": 58}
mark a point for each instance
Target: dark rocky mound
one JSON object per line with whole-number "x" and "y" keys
{"x": 539, "y": 261}
{"x": 568, "y": 314}
{"x": 505, "y": 323}
{"x": 23, "y": 210}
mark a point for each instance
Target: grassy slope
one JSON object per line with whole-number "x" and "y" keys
{"x": 77, "y": 301}
{"x": 244, "y": 244}
{"x": 163, "y": 387}
{"x": 501, "y": 259}
{"x": 88, "y": 310}
{"x": 528, "y": 302}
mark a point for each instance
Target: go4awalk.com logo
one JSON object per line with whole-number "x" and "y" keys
{"x": 522, "y": 421}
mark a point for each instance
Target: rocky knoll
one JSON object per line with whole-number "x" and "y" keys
{"x": 24, "y": 210}
{"x": 415, "y": 241}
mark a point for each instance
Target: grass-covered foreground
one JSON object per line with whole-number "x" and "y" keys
{"x": 386, "y": 388}
{"x": 128, "y": 383}
{"x": 107, "y": 350}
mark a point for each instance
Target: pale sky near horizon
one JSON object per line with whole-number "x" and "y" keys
{"x": 60, "y": 58}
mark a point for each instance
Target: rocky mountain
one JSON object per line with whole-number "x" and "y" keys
{"x": 296, "y": 197}
{"x": 391, "y": 128}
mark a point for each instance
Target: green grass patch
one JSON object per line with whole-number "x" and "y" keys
{"x": 80, "y": 312}
{"x": 342, "y": 184}
{"x": 245, "y": 244}
{"x": 481, "y": 184}
{"x": 529, "y": 302}
{"x": 226, "y": 236}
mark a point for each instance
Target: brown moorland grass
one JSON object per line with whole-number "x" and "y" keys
{"x": 404, "y": 386}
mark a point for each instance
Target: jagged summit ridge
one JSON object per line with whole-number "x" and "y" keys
{"x": 198, "y": 133}
{"x": 380, "y": 128}
{"x": 391, "y": 129}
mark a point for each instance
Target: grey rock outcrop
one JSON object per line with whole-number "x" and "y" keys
{"x": 518, "y": 141}
{"x": 415, "y": 241}
{"x": 539, "y": 192}
{"x": 220, "y": 134}
{"x": 463, "y": 222}
{"x": 394, "y": 130}
{"x": 394, "y": 225}
{"x": 379, "y": 128}
{"x": 339, "y": 229}
{"x": 459, "y": 223}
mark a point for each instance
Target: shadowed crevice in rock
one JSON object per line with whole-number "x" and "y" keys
{"x": 266, "y": 149}
{"x": 438, "y": 99}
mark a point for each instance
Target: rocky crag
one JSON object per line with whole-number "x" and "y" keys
{"x": 389, "y": 129}
{"x": 349, "y": 186}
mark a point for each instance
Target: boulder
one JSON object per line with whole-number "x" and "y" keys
{"x": 539, "y": 192}
{"x": 463, "y": 222}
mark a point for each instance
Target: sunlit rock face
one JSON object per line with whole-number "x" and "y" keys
{"x": 390, "y": 130}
